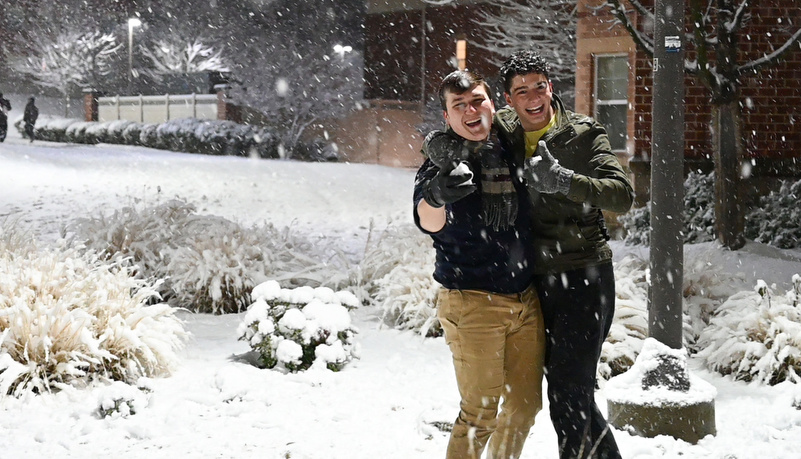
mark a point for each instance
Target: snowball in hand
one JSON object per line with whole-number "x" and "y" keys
{"x": 463, "y": 169}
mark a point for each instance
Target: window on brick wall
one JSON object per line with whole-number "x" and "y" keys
{"x": 611, "y": 91}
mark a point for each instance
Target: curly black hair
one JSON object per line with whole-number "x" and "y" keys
{"x": 523, "y": 63}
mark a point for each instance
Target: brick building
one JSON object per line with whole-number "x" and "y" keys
{"x": 614, "y": 81}
{"x": 410, "y": 46}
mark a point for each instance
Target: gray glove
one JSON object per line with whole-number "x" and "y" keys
{"x": 544, "y": 174}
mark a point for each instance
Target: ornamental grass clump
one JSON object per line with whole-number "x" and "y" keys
{"x": 396, "y": 276}
{"x": 756, "y": 336}
{"x": 68, "y": 318}
{"x": 301, "y": 328}
{"x": 206, "y": 263}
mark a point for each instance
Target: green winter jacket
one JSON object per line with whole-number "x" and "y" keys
{"x": 569, "y": 231}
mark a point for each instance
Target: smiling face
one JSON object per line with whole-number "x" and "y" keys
{"x": 530, "y": 95}
{"x": 470, "y": 113}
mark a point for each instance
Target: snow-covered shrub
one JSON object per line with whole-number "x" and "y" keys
{"x": 755, "y": 336}
{"x": 704, "y": 288}
{"x": 208, "y": 264}
{"x": 630, "y": 325}
{"x": 699, "y": 213}
{"x": 50, "y": 128}
{"x": 131, "y": 134}
{"x": 775, "y": 221}
{"x": 637, "y": 224}
{"x": 300, "y": 328}
{"x": 76, "y": 132}
{"x": 396, "y": 276}
{"x": 118, "y": 400}
{"x": 217, "y": 265}
{"x": 148, "y": 136}
{"x": 69, "y": 318}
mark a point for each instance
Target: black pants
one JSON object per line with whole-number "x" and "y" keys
{"x": 578, "y": 307}
{"x": 3, "y": 129}
{"x": 29, "y": 131}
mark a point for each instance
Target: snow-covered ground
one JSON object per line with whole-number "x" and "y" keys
{"x": 381, "y": 406}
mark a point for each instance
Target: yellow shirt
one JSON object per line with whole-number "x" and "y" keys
{"x": 533, "y": 137}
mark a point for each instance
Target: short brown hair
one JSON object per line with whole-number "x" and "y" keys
{"x": 458, "y": 82}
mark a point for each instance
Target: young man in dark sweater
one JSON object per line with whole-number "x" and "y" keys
{"x": 473, "y": 204}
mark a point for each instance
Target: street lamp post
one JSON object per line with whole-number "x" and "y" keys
{"x": 132, "y": 22}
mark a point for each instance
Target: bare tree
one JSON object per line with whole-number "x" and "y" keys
{"x": 716, "y": 28}
{"x": 548, "y": 26}
{"x": 68, "y": 61}
{"x": 177, "y": 54}
{"x": 292, "y": 91}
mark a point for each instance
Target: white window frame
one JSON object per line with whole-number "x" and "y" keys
{"x": 610, "y": 102}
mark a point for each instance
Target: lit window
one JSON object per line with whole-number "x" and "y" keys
{"x": 461, "y": 54}
{"x": 611, "y": 91}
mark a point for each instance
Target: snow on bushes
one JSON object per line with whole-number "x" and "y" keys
{"x": 630, "y": 325}
{"x": 755, "y": 336}
{"x": 68, "y": 318}
{"x": 774, "y": 221}
{"x": 207, "y": 263}
{"x": 297, "y": 329}
{"x": 699, "y": 213}
{"x": 192, "y": 135}
{"x": 397, "y": 269}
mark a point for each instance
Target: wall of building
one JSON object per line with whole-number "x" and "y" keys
{"x": 399, "y": 67}
{"x": 771, "y": 100}
{"x": 384, "y": 133}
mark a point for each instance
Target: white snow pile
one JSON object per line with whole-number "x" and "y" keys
{"x": 68, "y": 318}
{"x": 629, "y": 387}
{"x": 301, "y": 328}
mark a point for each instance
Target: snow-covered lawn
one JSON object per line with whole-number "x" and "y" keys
{"x": 384, "y": 405}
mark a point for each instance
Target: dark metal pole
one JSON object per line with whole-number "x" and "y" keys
{"x": 667, "y": 164}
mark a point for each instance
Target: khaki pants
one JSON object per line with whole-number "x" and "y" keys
{"x": 498, "y": 346}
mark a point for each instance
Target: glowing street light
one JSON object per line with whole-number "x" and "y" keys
{"x": 341, "y": 50}
{"x": 132, "y": 22}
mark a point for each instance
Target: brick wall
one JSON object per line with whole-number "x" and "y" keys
{"x": 393, "y": 52}
{"x": 771, "y": 100}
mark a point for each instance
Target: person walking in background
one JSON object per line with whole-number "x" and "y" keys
{"x": 572, "y": 175}
{"x": 5, "y": 107}
{"x": 29, "y": 118}
{"x": 472, "y": 204}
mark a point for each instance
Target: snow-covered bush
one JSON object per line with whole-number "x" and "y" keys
{"x": 207, "y": 263}
{"x": 216, "y": 137}
{"x": 300, "y": 328}
{"x": 755, "y": 336}
{"x": 630, "y": 325}
{"x": 699, "y": 213}
{"x": 775, "y": 221}
{"x": 704, "y": 288}
{"x": 68, "y": 318}
{"x": 148, "y": 136}
{"x": 76, "y": 132}
{"x": 118, "y": 400}
{"x": 131, "y": 134}
{"x": 396, "y": 276}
